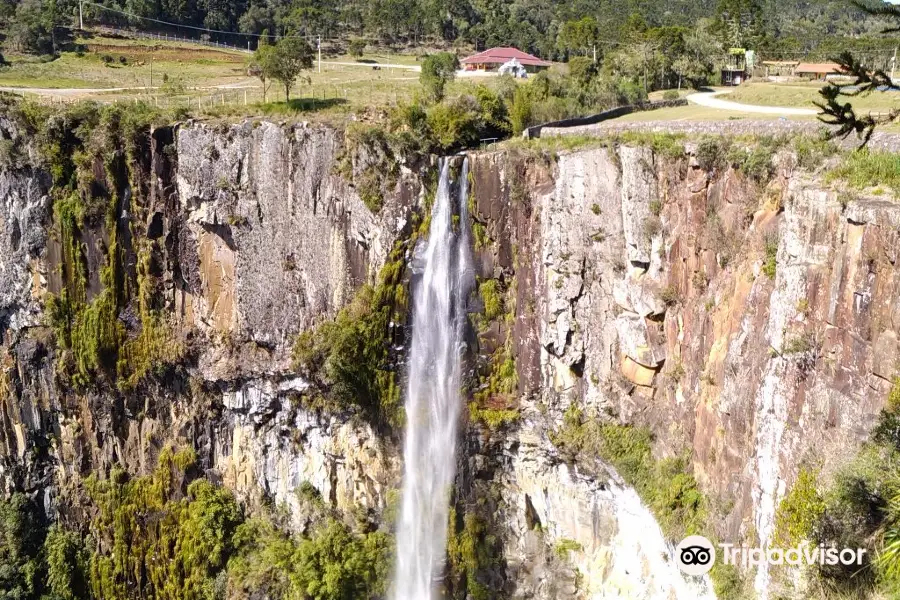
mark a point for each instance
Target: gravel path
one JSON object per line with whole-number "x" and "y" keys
{"x": 711, "y": 100}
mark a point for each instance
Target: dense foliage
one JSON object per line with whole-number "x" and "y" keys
{"x": 22, "y": 569}
{"x": 172, "y": 535}
{"x": 859, "y": 507}
{"x": 553, "y": 30}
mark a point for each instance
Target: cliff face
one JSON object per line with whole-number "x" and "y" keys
{"x": 752, "y": 327}
{"x": 748, "y": 326}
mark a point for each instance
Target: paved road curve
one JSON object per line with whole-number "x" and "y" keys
{"x": 709, "y": 99}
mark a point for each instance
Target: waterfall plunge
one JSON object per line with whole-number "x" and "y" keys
{"x": 433, "y": 399}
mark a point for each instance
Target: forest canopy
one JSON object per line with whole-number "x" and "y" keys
{"x": 552, "y": 30}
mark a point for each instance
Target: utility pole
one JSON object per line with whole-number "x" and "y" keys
{"x": 893, "y": 65}
{"x": 319, "y": 47}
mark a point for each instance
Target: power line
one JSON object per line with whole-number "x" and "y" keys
{"x": 195, "y": 28}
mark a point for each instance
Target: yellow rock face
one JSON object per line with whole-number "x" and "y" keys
{"x": 637, "y": 373}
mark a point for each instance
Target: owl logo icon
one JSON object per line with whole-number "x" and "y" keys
{"x": 695, "y": 555}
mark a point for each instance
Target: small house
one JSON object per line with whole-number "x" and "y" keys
{"x": 737, "y": 66}
{"x": 819, "y": 71}
{"x": 493, "y": 58}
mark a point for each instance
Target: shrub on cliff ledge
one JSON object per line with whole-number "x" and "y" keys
{"x": 348, "y": 358}
{"x": 666, "y": 486}
{"x": 800, "y": 511}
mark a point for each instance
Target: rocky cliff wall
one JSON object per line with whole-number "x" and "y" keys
{"x": 752, "y": 326}
{"x": 749, "y": 325}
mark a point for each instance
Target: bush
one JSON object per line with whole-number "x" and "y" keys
{"x": 893, "y": 401}
{"x": 666, "y": 486}
{"x": 671, "y": 95}
{"x": 333, "y": 563}
{"x": 812, "y": 151}
{"x": 711, "y": 152}
{"x": 668, "y": 145}
{"x": 437, "y": 71}
{"x": 582, "y": 69}
{"x": 770, "y": 263}
{"x": 800, "y": 511}
{"x": 864, "y": 168}
{"x": 453, "y": 124}
{"x": 492, "y": 297}
{"x": 356, "y": 47}
{"x": 471, "y": 550}
{"x": 347, "y": 358}
{"x": 521, "y": 111}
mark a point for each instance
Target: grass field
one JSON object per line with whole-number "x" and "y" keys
{"x": 805, "y": 94}
{"x": 212, "y": 80}
{"x": 693, "y": 112}
{"x": 215, "y": 80}
{"x": 117, "y": 63}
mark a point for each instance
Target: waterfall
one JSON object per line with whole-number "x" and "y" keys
{"x": 433, "y": 399}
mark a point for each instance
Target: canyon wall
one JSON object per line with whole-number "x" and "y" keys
{"x": 751, "y": 327}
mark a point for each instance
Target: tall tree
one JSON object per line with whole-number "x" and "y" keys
{"x": 701, "y": 48}
{"x": 437, "y": 71}
{"x": 741, "y": 23}
{"x": 283, "y": 62}
{"x": 579, "y": 36}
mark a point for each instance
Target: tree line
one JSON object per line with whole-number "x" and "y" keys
{"x": 552, "y": 30}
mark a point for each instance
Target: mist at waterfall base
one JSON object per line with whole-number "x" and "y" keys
{"x": 433, "y": 401}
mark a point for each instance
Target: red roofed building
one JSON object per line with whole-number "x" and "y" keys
{"x": 491, "y": 59}
{"x": 818, "y": 70}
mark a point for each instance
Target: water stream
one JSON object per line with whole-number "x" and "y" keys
{"x": 433, "y": 399}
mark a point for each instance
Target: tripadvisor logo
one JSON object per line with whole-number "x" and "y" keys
{"x": 696, "y": 555}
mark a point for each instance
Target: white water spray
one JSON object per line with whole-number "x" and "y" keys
{"x": 433, "y": 399}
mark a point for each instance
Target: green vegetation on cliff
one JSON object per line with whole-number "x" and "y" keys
{"x": 171, "y": 535}
{"x": 22, "y": 568}
{"x": 858, "y": 507}
{"x": 666, "y": 485}
{"x": 332, "y": 564}
{"x": 866, "y": 169}
{"x": 158, "y": 535}
{"x": 92, "y": 152}
{"x": 471, "y": 551}
{"x": 494, "y": 400}
{"x": 349, "y": 358}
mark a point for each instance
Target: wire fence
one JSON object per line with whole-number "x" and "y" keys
{"x": 200, "y": 101}
{"x": 171, "y": 37}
